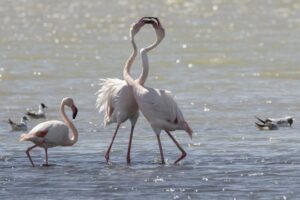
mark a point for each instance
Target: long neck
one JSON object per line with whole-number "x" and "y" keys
{"x": 71, "y": 126}
{"x": 126, "y": 71}
{"x": 143, "y": 77}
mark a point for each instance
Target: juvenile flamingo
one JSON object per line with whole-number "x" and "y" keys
{"x": 53, "y": 133}
{"x": 158, "y": 106}
{"x": 115, "y": 96}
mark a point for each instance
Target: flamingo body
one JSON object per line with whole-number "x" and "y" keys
{"x": 48, "y": 134}
{"x": 116, "y": 99}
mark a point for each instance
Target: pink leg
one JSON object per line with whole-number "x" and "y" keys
{"x": 129, "y": 145}
{"x": 111, "y": 143}
{"x": 28, "y": 155}
{"x": 179, "y": 147}
{"x": 160, "y": 149}
{"x": 46, "y": 154}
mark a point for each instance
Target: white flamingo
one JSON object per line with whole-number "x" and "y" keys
{"x": 158, "y": 106}
{"x": 115, "y": 96}
{"x": 39, "y": 114}
{"x": 53, "y": 133}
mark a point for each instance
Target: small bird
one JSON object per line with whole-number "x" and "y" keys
{"x": 39, "y": 114}
{"x": 268, "y": 126}
{"x": 280, "y": 122}
{"x": 53, "y": 133}
{"x": 22, "y": 126}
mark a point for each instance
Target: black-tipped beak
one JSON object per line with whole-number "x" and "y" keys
{"x": 150, "y": 20}
{"x": 188, "y": 129}
{"x": 75, "y": 111}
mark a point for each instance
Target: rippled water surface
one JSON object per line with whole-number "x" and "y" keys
{"x": 225, "y": 61}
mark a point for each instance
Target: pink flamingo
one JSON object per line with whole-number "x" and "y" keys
{"x": 53, "y": 133}
{"x": 115, "y": 96}
{"x": 158, "y": 106}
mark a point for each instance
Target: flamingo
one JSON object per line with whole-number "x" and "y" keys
{"x": 22, "y": 126}
{"x": 53, "y": 133}
{"x": 115, "y": 96}
{"x": 39, "y": 114}
{"x": 158, "y": 106}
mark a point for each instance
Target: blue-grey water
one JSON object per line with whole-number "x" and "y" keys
{"x": 225, "y": 61}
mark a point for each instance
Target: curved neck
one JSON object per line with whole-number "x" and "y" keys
{"x": 143, "y": 77}
{"x": 126, "y": 71}
{"x": 71, "y": 126}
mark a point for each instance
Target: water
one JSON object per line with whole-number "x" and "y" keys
{"x": 225, "y": 61}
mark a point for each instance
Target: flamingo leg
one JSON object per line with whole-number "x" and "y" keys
{"x": 111, "y": 143}
{"x": 129, "y": 145}
{"x": 28, "y": 154}
{"x": 160, "y": 149}
{"x": 179, "y": 147}
{"x": 46, "y": 154}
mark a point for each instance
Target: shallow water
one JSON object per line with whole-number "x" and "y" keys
{"x": 224, "y": 61}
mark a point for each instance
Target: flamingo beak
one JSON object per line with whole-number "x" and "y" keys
{"x": 188, "y": 129}
{"x": 74, "y": 110}
{"x": 148, "y": 20}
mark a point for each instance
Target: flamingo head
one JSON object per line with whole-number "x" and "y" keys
{"x": 154, "y": 21}
{"x": 135, "y": 28}
{"x": 74, "y": 110}
{"x": 70, "y": 103}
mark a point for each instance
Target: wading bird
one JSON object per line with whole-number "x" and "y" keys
{"x": 115, "y": 96}
{"x": 53, "y": 133}
{"x": 158, "y": 106}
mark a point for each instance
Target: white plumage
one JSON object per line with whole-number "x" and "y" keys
{"x": 116, "y": 100}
